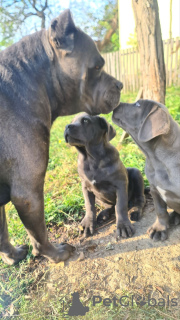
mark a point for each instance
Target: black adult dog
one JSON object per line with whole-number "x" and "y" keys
{"x": 48, "y": 74}
{"x": 104, "y": 176}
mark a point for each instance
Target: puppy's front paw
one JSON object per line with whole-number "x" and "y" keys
{"x": 135, "y": 213}
{"x": 88, "y": 224}
{"x": 124, "y": 229}
{"x": 158, "y": 231}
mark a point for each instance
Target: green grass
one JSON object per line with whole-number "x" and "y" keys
{"x": 64, "y": 201}
{"x": 53, "y": 307}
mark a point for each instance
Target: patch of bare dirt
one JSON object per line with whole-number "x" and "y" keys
{"x": 102, "y": 266}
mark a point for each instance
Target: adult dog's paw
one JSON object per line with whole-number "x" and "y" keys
{"x": 62, "y": 252}
{"x": 158, "y": 231}
{"x": 55, "y": 253}
{"x": 15, "y": 254}
{"x": 124, "y": 229}
{"x": 87, "y": 225}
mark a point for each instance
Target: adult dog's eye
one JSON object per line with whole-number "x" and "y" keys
{"x": 97, "y": 67}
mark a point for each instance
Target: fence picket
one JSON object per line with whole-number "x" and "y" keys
{"x": 127, "y": 68}
{"x": 120, "y": 71}
{"x": 123, "y": 71}
{"x": 137, "y": 69}
{"x": 125, "y": 65}
{"x": 176, "y": 59}
{"x": 133, "y": 68}
{"x": 105, "y": 66}
{"x": 130, "y": 69}
{"x": 171, "y": 60}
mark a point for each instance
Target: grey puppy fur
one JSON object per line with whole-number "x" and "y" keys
{"x": 47, "y": 74}
{"x": 104, "y": 177}
{"x": 158, "y": 136}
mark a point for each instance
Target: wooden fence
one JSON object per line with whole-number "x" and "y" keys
{"x": 125, "y": 65}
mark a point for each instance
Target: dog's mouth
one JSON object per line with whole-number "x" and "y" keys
{"x": 111, "y": 101}
{"x": 109, "y": 107}
{"x": 119, "y": 122}
{"x": 66, "y": 137}
{"x": 94, "y": 113}
{"x": 117, "y": 119}
{"x": 72, "y": 141}
{"x": 115, "y": 116}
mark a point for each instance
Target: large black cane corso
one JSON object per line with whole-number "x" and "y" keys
{"x": 50, "y": 73}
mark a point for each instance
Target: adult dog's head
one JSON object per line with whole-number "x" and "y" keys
{"x": 86, "y": 130}
{"x": 78, "y": 69}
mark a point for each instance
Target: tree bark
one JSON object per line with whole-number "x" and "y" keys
{"x": 150, "y": 43}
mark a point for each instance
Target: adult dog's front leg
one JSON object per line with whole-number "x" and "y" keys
{"x": 30, "y": 207}
{"x": 9, "y": 254}
{"x": 124, "y": 226}
{"x": 158, "y": 231}
{"x": 89, "y": 221}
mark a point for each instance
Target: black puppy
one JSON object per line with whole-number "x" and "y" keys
{"x": 104, "y": 176}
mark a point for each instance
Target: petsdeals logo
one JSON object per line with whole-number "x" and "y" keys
{"x": 77, "y": 308}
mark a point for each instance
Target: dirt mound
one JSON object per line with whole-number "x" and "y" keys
{"x": 137, "y": 267}
{"x": 102, "y": 266}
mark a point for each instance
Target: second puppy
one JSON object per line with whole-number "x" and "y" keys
{"x": 104, "y": 177}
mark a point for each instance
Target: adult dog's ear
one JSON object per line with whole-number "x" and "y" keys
{"x": 110, "y": 131}
{"x": 62, "y": 31}
{"x": 156, "y": 123}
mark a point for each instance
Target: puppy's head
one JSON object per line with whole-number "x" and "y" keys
{"x": 143, "y": 120}
{"x": 86, "y": 129}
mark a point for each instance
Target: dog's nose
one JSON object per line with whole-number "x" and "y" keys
{"x": 119, "y": 85}
{"x": 69, "y": 126}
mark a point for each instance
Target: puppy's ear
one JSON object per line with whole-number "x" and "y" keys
{"x": 103, "y": 124}
{"x": 109, "y": 130}
{"x": 62, "y": 31}
{"x": 156, "y": 123}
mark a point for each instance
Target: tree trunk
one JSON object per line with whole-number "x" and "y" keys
{"x": 151, "y": 49}
{"x": 43, "y": 21}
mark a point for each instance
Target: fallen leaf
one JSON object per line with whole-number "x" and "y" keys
{"x": 159, "y": 289}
